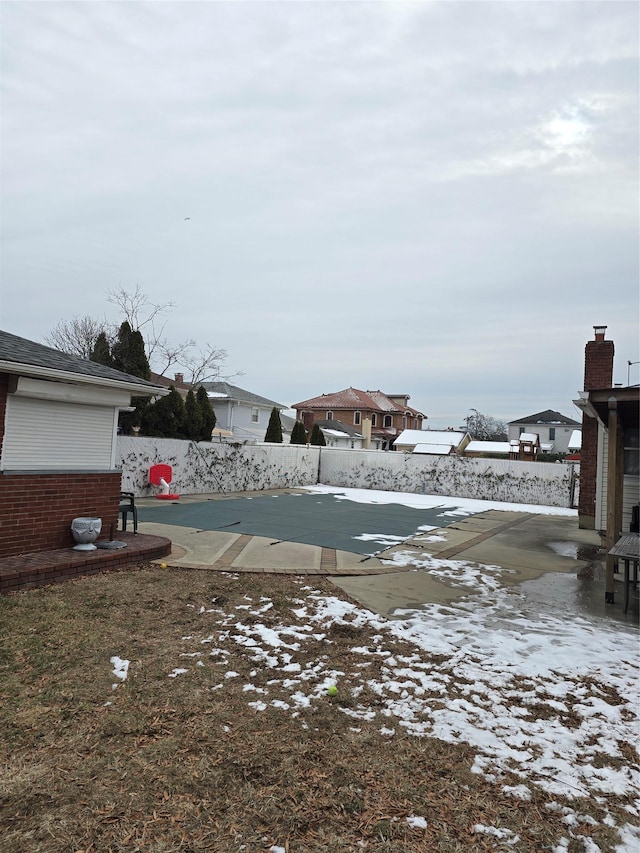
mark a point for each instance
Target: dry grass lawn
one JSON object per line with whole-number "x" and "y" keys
{"x": 180, "y": 764}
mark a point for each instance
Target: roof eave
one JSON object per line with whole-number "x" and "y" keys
{"x": 140, "y": 390}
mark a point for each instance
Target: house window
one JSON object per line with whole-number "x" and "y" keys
{"x": 329, "y": 416}
{"x": 632, "y": 452}
{"x": 388, "y": 421}
{"x": 404, "y": 423}
{"x": 552, "y": 433}
{"x": 255, "y": 415}
{"x": 374, "y": 420}
{"x": 521, "y": 430}
{"x": 356, "y": 418}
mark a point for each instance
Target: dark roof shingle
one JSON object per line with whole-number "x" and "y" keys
{"x": 21, "y": 351}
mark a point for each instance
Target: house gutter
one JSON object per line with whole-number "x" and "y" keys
{"x": 54, "y": 375}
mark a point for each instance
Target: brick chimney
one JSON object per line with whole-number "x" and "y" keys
{"x": 179, "y": 377}
{"x": 598, "y": 373}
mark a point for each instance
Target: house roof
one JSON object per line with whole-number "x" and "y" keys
{"x": 547, "y": 417}
{"x": 167, "y": 382}
{"x": 448, "y": 438}
{"x": 354, "y": 398}
{"x": 20, "y": 355}
{"x": 239, "y": 395}
{"x": 575, "y": 441}
{"x": 349, "y": 398}
{"x": 434, "y": 449}
{"x": 477, "y": 446}
{"x": 392, "y": 405}
{"x": 339, "y": 428}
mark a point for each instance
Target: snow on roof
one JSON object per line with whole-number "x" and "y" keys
{"x": 450, "y": 438}
{"x": 338, "y": 433}
{"x": 575, "y": 442}
{"x": 476, "y": 446}
{"x": 435, "y": 449}
{"x": 529, "y": 436}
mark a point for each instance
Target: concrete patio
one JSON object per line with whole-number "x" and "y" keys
{"x": 527, "y": 546}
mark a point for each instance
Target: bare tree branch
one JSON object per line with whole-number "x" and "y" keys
{"x": 78, "y": 335}
{"x": 142, "y": 315}
{"x": 200, "y": 364}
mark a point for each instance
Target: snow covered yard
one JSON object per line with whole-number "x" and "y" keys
{"x": 546, "y": 704}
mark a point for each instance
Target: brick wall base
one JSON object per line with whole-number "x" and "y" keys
{"x": 36, "y": 510}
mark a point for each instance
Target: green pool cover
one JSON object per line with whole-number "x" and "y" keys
{"x": 314, "y": 519}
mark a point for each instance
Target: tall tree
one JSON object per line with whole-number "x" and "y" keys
{"x": 165, "y": 418}
{"x": 317, "y": 437}
{"x": 485, "y": 427}
{"x": 129, "y": 354}
{"x": 274, "y": 429}
{"x": 208, "y": 415}
{"x": 298, "y": 434}
{"x": 192, "y": 417}
{"x": 101, "y": 352}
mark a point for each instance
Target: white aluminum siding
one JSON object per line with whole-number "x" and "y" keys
{"x": 51, "y": 435}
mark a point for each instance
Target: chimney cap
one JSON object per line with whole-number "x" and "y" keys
{"x": 599, "y": 332}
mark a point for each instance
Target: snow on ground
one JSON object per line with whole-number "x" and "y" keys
{"x": 450, "y": 505}
{"x": 550, "y": 700}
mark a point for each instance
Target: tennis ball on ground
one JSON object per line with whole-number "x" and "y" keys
{"x": 333, "y": 690}
{"x": 163, "y": 565}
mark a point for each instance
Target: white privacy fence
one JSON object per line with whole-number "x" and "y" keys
{"x": 203, "y": 467}
{"x": 210, "y": 468}
{"x": 542, "y": 483}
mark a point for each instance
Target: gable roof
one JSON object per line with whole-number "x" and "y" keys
{"x": 239, "y": 395}
{"x": 28, "y": 358}
{"x": 547, "y": 417}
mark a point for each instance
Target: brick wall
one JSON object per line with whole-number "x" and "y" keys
{"x": 598, "y": 373}
{"x": 36, "y": 510}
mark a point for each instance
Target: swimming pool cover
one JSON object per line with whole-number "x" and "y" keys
{"x": 316, "y": 519}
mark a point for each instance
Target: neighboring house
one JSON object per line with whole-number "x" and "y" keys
{"x": 379, "y": 417}
{"x": 244, "y": 414}
{"x": 337, "y": 434}
{"x": 553, "y": 429}
{"x": 436, "y": 442}
{"x": 58, "y": 427}
{"x": 177, "y": 382}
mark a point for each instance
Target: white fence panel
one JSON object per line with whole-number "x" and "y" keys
{"x": 540, "y": 483}
{"x": 208, "y": 467}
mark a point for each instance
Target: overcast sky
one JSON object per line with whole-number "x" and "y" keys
{"x": 438, "y": 199}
